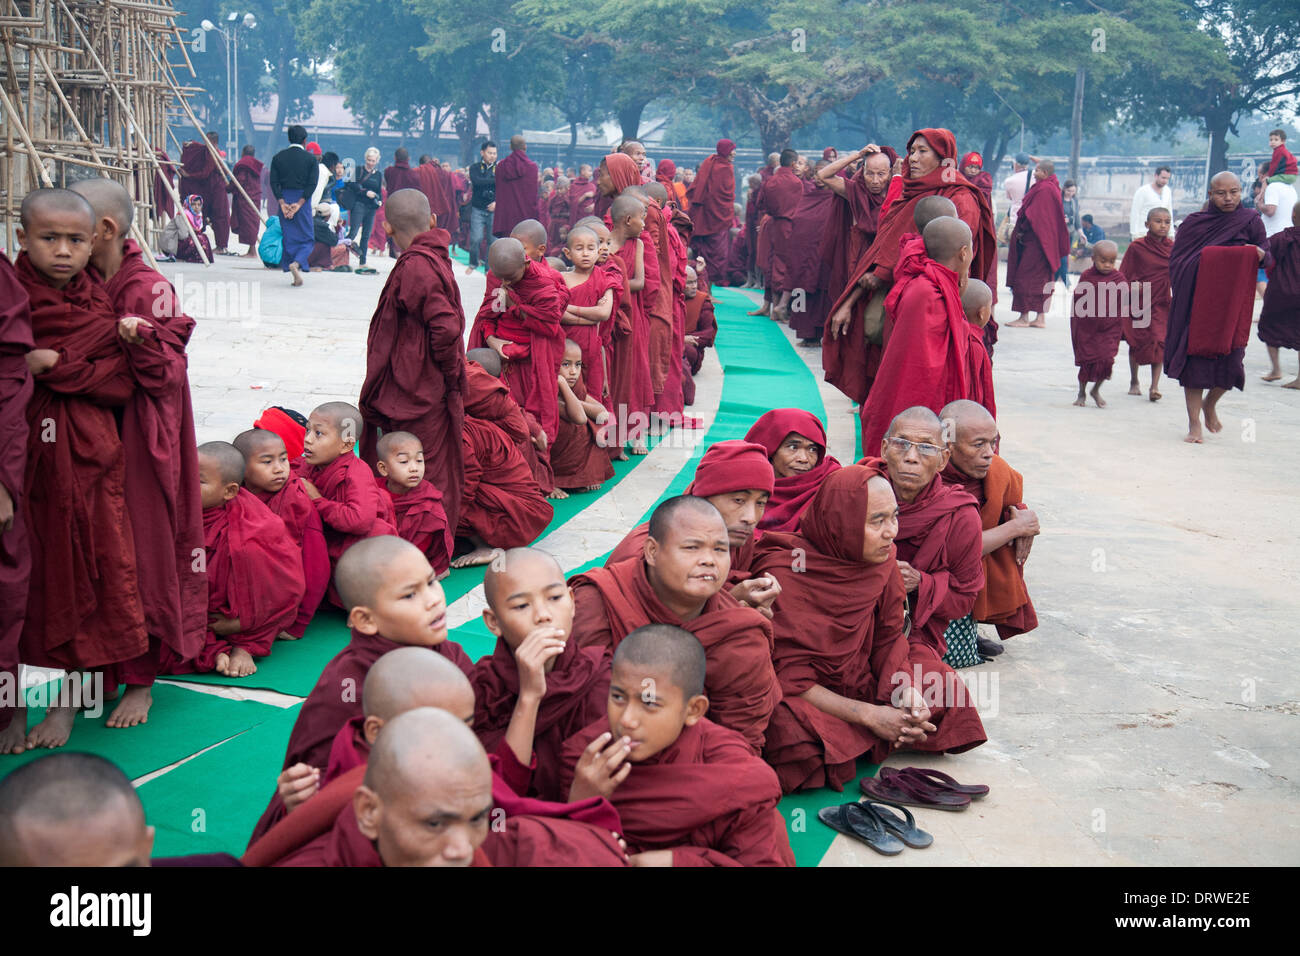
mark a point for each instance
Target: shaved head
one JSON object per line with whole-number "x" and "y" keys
{"x": 1225, "y": 178}
{"x": 656, "y": 191}
{"x": 517, "y": 143}
{"x": 581, "y": 232}
{"x": 408, "y": 210}
{"x": 963, "y": 412}
{"x": 976, "y": 296}
{"x": 488, "y": 359}
{"x": 40, "y": 202}
{"x": 228, "y": 459}
{"x": 945, "y": 237}
{"x": 530, "y": 231}
{"x": 1105, "y": 248}
{"x": 389, "y": 442}
{"x": 622, "y": 207}
{"x": 506, "y": 258}
{"x": 109, "y": 199}
{"x": 363, "y": 567}
{"x": 929, "y": 208}
{"x": 339, "y": 414}
{"x": 512, "y": 561}
{"x": 668, "y": 649}
{"x": 251, "y": 441}
{"x": 411, "y": 677}
{"x": 917, "y": 415}
{"x": 662, "y": 517}
{"x": 422, "y": 748}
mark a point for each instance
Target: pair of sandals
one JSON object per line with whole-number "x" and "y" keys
{"x": 918, "y": 787}
{"x": 365, "y": 271}
{"x": 873, "y": 820}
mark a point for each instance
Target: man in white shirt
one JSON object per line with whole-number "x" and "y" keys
{"x": 1158, "y": 192}
{"x": 1017, "y": 185}
{"x": 1274, "y": 203}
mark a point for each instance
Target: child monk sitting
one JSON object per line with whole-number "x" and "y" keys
{"x": 255, "y": 576}
{"x": 393, "y": 599}
{"x": 267, "y": 476}
{"x": 579, "y": 457}
{"x": 503, "y": 505}
{"x": 977, "y": 304}
{"x": 689, "y": 792}
{"x": 1097, "y": 313}
{"x": 417, "y": 505}
{"x": 538, "y": 687}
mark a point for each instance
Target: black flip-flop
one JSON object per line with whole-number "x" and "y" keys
{"x": 364, "y": 271}
{"x": 903, "y": 827}
{"x": 939, "y": 779}
{"x": 905, "y": 790}
{"x": 852, "y": 820}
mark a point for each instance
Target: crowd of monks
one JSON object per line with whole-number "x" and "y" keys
{"x": 782, "y": 619}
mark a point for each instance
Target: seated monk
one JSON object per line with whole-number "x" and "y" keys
{"x": 854, "y": 685}
{"x": 538, "y": 687}
{"x": 1009, "y": 526}
{"x": 580, "y": 456}
{"x": 689, "y": 792}
{"x": 736, "y": 478}
{"x": 488, "y": 398}
{"x": 267, "y": 477}
{"x": 339, "y": 483}
{"x": 795, "y": 442}
{"x": 417, "y": 505}
{"x": 977, "y": 304}
{"x": 939, "y": 536}
{"x": 393, "y": 599}
{"x": 72, "y": 810}
{"x": 426, "y": 800}
{"x": 679, "y": 579}
{"x": 701, "y": 332}
{"x": 255, "y": 576}
{"x": 503, "y": 505}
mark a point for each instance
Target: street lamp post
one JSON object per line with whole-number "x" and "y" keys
{"x": 230, "y": 43}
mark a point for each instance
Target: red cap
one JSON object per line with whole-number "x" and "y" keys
{"x": 733, "y": 466}
{"x": 314, "y": 149}
{"x": 275, "y": 419}
{"x": 726, "y": 147}
{"x": 972, "y": 159}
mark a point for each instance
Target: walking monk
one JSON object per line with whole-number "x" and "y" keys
{"x": 1146, "y": 262}
{"x": 712, "y": 196}
{"x": 248, "y": 215}
{"x": 1038, "y": 243}
{"x": 415, "y": 356}
{"x": 516, "y": 197}
{"x": 1097, "y": 314}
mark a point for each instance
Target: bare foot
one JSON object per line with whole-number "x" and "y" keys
{"x": 779, "y": 315}
{"x": 1135, "y": 389}
{"x": 1040, "y": 324}
{"x": 249, "y": 254}
{"x": 1212, "y": 421}
{"x": 13, "y": 739}
{"x": 1096, "y": 397}
{"x": 286, "y": 636}
{"x": 296, "y": 271}
{"x": 620, "y": 455}
{"x": 1293, "y": 384}
{"x": 54, "y": 730}
{"x": 475, "y": 558}
{"x": 639, "y": 448}
{"x": 592, "y": 488}
{"x": 1154, "y": 395}
{"x": 238, "y": 663}
{"x": 1081, "y": 401}
{"x": 1018, "y": 324}
{"x": 559, "y": 494}
{"x": 133, "y": 709}
{"x": 763, "y": 311}
{"x": 1272, "y": 377}
{"x": 470, "y": 270}
{"x": 1193, "y": 436}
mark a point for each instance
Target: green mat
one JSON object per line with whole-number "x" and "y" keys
{"x": 809, "y": 837}
{"x": 181, "y": 722}
{"x": 211, "y": 803}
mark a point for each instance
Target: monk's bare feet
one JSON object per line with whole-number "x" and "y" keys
{"x": 592, "y": 488}
{"x": 54, "y": 730}
{"x": 1134, "y": 388}
{"x": 1039, "y": 324}
{"x": 445, "y": 574}
{"x": 470, "y": 270}
{"x": 763, "y": 311}
{"x": 1081, "y": 401}
{"x": 13, "y": 739}
{"x": 286, "y": 636}
{"x": 1193, "y": 436}
{"x": 559, "y": 494}
{"x": 133, "y": 709}
{"x": 238, "y": 663}
{"x": 1272, "y": 377}
{"x": 1096, "y": 395}
{"x": 619, "y": 455}
{"x": 478, "y": 556}
{"x": 779, "y": 315}
{"x": 1018, "y": 324}
{"x": 639, "y": 448}
{"x": 1295, "y": 383}
{"x": 1154, "y": 395}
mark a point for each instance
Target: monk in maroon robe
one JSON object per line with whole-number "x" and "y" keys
{"x": 809, "y": 271}
{"x": 680, "y": 579}
{"x": 668, "y": 336}
{"x": 1038, "y": 243}
{"x": 779, "y": 201}
{"x": 582, "y": 195}
{"x": 434, "y": 185}
{"x": 1097, "y": 312}
{"x": 1146, "y": 263}
{"x": 580, "y": 455}
{"x": 247, "y": 216}
{"x": 701, "y": 331}
{"x": 557, "y": 216}
{"x": 415, "y": 356}
{"x": 503, "y": 507}
{"x": 203, "y": 175}
{"x": 517, "y": 184}
{"x": 400, "y": 175}
{"x": 488, "y": 398}
{"x": 854, "y": 686}
{"x": 712, "y": 196}
{"x": 15, "y": 551}
{"x": 592, "y": 292}
{"x": 691, "y": 792}
{"x": 1211, "y": 367}
{"x": 1279, "y": 321}
{"x": 795, "y": 443}
{"x": 417, "y": 505}
{"x": 631, "y": 393}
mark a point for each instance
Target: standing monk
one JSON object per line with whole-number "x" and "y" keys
{"x": 434, "y": 184}
{"x": 203, "y": 175}
{"x": 854, "y": 221}
{"x": 582, "y": 195}
{"x": 1146, "y": 261}
{"x": 1209, "y": 326}
{"x": 516, "y": 196}
{"x": 711, "y": 197}
{"x": 248, "y": 216}
{"x": 780, "y": 201}
{"x": 415, "y": 359}
{"x": 1038, "y": 242}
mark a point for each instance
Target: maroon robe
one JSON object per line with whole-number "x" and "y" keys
{"x": 422, "y": 520}
{"x": 672, "y": 400}
{"x": 415, "y": 364}
{"x": 614, "y": 601}
{"x": 631, "y": 392}
{"x": 1146, "y": 260}
{"x": 15, "y": 392}
{"x": 1038, "y": 243}
{"x": 780, "y": 200}
{"x": 247, "y": 217}
{"x": 793, "y": 493}
{"x": 706, "y": 797}
{"x": 839, "y": 625}
{"x": 503, "y": 506}
{"x": 557, "y": 222}
{"x": 488, "y": 398}
{"x": 202, "y": 175}
{"x": 400, "y": 175}
{"x": 700, "y": 323}
{"x": 434, "y": 185}
{"x": 580, "y": 455}
{"x": 350, "y": 506}
{"x": 591, "y": 338}
{"x": 84, "y": 608}
{"x": 712, "y": 197}
{"x": 517, "y": 199}
{"x": 254, "y": 575}
{"x": 582, "y": 200}
{"x": 1279, "y": 322}
{"x": 809, "y": 271}
{"x": 1097, "y": 314}
{"x": 295, "y": 509}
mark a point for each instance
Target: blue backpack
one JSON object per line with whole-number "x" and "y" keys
{"x": 270, "y": 248}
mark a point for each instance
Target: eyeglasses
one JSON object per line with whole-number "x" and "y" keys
{"x": 903, "y": 446}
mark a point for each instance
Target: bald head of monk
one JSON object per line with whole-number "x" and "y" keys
{"x": 57, "y": 233}
{"x": 508, "y": 260}
{"x": 687, "y": 553}
{"x": 406, "y": 215}
{"x": 635, "y": 150}
{"x": 532, "y": 235}
{"x": 977, "y": 302}
{"x": 1044, "y": 169}
{"x": 113, "y": 215}
{"x": 914, "y": 451}
{"x": 948, "y": 242}
{"x": 773, "y": 160}
{"x": 882, "y": 521}
{"x": 692, "y": 286}
{"x": 411, "y": 677}
{"x": 266, "y": 460}
{"x": 1225, "y": 191}
{"x": 627, "y": 213}
{"x": 1105, "y": 256}
{"x": 876, "y": 172}
{"x": 400, "y": 459}
{"x": 657, "y": 192}
{"x": 971, "y": 434}
{"x": 427, "y": 795}
{"x": 390, "y": 589}
{"x": 930, "y": 208}
{"x": 221, "y": 472}
{"x": 74, "y": 810}
{"x": 529, "y": 603}
{"x": 332, "y": 430}
{"x": 488, "y": 359}
{"x": 656, "y": 688}
{"x": 517, "y": 144}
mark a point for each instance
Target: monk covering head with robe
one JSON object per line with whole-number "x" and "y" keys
{"x": 795, "y": 442}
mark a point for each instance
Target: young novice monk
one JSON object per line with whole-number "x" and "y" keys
{"x": 579, "y": 457}
{"x": 267, "y": 476}
{"x": 1279, "y": 320}
{"x": 417, "y": 505}
{"x": 689, "y": 792}
{"x": 1097, "y": 313}
{"x": 631, "y": 390}
{"x": 538, "y": 687}
{"x": 977, "y": 304}
{"x": 343, "y": 489}
{"x": 255, "y": 576}
{"x": 504, "y": 506}
{"x": 591, "y": 304}
{"x": 1146, "y": 262}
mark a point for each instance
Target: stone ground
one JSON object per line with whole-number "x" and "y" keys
{"x": 1152, "y": 719}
